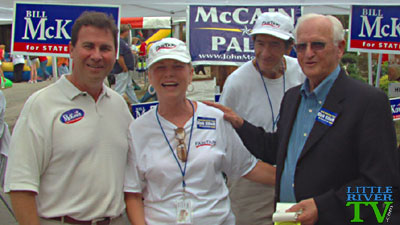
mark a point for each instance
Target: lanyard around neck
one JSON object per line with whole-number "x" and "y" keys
{"x": 274, "y": 120}
{"x": 183, "y": 171}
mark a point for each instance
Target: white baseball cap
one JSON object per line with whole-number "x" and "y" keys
{"x": 275, "y": 24}
{"x": 168, "y": 48}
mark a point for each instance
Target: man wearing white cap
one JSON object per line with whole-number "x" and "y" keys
{"x": 255, "y": 91}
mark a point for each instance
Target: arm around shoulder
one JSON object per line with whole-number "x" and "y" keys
{"x": 261, "y": 144}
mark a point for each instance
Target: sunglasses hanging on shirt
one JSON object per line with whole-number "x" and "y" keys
{"x": 181, "y": 151}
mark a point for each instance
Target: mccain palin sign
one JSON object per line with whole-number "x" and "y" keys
{"x": 375, "y": 29}
{"x": 45, "y": 29}
{"x": 219, "y": 35}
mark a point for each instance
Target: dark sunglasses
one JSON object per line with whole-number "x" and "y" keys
{"x": 315, "y": 46}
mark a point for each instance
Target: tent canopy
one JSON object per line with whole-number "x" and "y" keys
{"x": 147, "y": 22}
{"x": 177, "y": 8}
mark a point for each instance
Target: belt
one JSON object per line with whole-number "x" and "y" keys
{"x": 70, "y": 220}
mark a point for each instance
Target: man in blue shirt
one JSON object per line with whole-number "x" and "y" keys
{"x": 334, "y": 134}
{"x": 124, "y": 67}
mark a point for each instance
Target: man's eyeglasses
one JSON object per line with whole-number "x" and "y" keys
{"x": 315, "y": 46}
{"x": 181, "y": 150}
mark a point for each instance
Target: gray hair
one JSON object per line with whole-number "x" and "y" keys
{"x": 338, "y": 31}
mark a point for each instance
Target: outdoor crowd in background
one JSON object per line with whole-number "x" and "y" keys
{"x": 34, "y": 63}
{"x": 132, "y": 60}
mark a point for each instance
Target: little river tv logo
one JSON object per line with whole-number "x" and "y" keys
{"x": 378, "y": 199}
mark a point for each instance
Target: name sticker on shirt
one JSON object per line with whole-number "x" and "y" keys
{"x": 326, "y": 117}
{"x": 72, "y": 116}
{"x": 206, "y": 123}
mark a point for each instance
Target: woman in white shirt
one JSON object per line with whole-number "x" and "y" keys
{"x": 181, "y": 148}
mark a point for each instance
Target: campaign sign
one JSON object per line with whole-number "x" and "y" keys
{"x": 141, "y": 108}
{"x": 395, "y": 105}
{"x": 219, "y": 35}
{"x": 375, "y": 29}
{"x": 45, "y": 29}
{"x": 394, "y": 89}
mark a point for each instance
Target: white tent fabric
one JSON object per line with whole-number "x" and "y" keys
{"x": 177, "y": 8}
{"x": 6, "y": 15}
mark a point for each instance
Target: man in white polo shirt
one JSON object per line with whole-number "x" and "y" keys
{"x": 69, "y": 147}
{"x": 255, "y": 91}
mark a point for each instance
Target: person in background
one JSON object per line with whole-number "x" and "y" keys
{"x": 124, "y": 67}
{"x": 134, "y": 47}
{"x": 255, "y": 91}
{"x": 142, "y": 53}
{"x": 199, "y": 68}
{"x": 335, "y": 134}
{"x": 18, "y": 62}
{"x": 3, "y": 79}
{"x": 32, "y": 62}
{"x": 69, "y": 147}
{"x": 62, "y": 66}
{"x": 135, "y": 51}
{"x": 43, "y": 66}
{"x": 181, "y": 148}
{"x": 4, "y": 139}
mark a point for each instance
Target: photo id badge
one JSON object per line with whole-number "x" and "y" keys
{"x": 184, "y": 211}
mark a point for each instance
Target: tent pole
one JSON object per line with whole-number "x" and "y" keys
{"x": 370, "y": 79}
{"x": 378, "y": 70}
{"x": 172, "y": 34}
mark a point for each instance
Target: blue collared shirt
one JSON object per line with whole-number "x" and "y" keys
{"x": 311, "y": 103}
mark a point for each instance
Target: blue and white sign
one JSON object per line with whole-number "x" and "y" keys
{"x": 326, "y": 117}
{"x": 395, "y": 105}
{"x": 375, "y": 29}
{"x": 219, "y": 35}
{"x": 45, "y": 28}
{"x": 206, "y": 123}
{"x": 141, "y": 108}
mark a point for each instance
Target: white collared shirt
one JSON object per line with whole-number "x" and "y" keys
{"x": 153, "y": 171}
{"x": 72, "y": 151}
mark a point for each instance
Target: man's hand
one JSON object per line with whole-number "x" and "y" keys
{"x": 308, "y": 209}
{"x": 229, "y": 114}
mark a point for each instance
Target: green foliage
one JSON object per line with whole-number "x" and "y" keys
{"x": 384, "y": 80}
{"x": 350, "y": 63}
{"x": 384, "y": 83}
{"x": 354, "y": 71}
{"x": 384, "y": 68}
{"x": 350, "y": 58}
